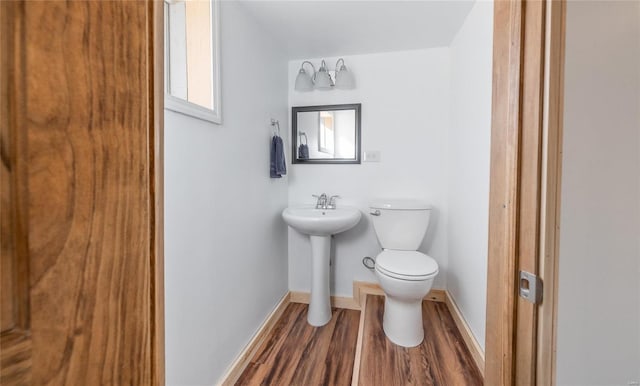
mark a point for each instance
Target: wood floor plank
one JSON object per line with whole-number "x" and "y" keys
{"x": 296, "y": 353}
{"x": 441, "y": 359}
{"x": 339, "y": 372}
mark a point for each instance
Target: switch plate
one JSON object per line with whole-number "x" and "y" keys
{"x": 372, "y": 156}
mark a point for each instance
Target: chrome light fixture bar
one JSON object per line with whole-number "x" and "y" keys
{"x": 321, "y": 79}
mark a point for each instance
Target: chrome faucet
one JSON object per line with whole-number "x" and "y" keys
{"x": 332, "y": 202}
{"x": 324, "y": 202}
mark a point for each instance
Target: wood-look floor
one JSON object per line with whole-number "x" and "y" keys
{"x": 441, "y": 359}
{"x": 296, "y": 353}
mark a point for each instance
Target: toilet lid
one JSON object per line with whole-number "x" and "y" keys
{"x": 406, "y": 265}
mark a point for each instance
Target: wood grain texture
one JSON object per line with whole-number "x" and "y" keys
{"x": 518, "y": 148}
{"x": 336, "y": 301}
{"x": 441, "y": 359}
{"x": 86, "y": 111}
{"x": 467, "y": 335}
{"x": 15, "y": 340}
{"x": 89, "y": 189}
{"x": 240, "y": 364}
{"x": 355, "y": 379}
{"x": 361, "y": 288}
{"x": 156, "y": 112}
{"x": 14, "y": 240}
{"x": 7, "y": 152}
{"x": 503, "y": 195}
{"x": 529, "y": 184}
{"x": 15, "y": 358}
{"x": 296, "y": 353}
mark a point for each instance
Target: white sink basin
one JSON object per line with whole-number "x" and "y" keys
{"x": 321, "y": 222}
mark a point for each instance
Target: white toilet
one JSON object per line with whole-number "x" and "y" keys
{"x": 405, "y": 274}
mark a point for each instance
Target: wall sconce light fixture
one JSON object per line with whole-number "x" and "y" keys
{"x": 322, "y": 80}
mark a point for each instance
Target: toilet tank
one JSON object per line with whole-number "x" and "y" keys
{"x": 401, "y": 224}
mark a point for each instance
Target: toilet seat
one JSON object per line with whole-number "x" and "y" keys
{"x": 406, "y": 265}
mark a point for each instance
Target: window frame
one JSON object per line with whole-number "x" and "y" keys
{"x": 185, "y": 107}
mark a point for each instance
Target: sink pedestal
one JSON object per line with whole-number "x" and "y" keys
{"x": 319, "y": 301}
{"x": 320, "y": 225}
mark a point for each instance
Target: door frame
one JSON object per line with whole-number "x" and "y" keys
{"x": 551, "y": 190}
{"x": 157, "y": 58}
{"x": 528, "y": 66}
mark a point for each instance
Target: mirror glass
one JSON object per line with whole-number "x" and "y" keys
{"x": 326, "y": 134}
{"x": 191, "y": 59}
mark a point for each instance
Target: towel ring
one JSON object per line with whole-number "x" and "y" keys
{"x": 306, "y": 140}
{"x": 275, "y": 124}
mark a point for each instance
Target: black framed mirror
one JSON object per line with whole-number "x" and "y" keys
{"x": 328, "y": 134}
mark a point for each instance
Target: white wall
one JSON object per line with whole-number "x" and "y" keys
{"x": 599, "y": 283}
{"x": 226, "y": 245}
{"x": 405, "y": 115}
{"x": 469, "y": 153}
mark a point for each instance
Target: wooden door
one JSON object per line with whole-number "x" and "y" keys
{"x": 81, "y": 189}
{"x": 524, "y": 201}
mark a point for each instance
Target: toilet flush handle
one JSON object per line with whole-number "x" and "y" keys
{"x": 375, "y": 213}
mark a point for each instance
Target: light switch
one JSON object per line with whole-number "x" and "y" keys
{"x": 372, "y": 156}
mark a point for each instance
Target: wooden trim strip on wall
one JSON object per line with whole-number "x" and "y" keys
{"x": 237, "y": 367}
{"x": 336, "y": 301}
{"x": 156, "y": 28}
{"x": 355, "y": 379}
{"x": 361, "y": 288}
{"x": 467, "y": 335}
{"x": 550, "y": 190}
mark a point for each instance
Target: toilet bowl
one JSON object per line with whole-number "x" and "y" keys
{"x": 404, "y": 285}
{"x": 405, "y": 275}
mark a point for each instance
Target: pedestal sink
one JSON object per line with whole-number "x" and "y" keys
{"x": 320, "y": 224}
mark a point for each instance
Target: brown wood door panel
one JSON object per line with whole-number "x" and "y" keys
{"x": 82, "y": 124}
{"x": 15, "y": 339}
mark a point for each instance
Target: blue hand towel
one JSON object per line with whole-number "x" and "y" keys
{"x": 278, "y": 164}
{"x": 303, "y": 149}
